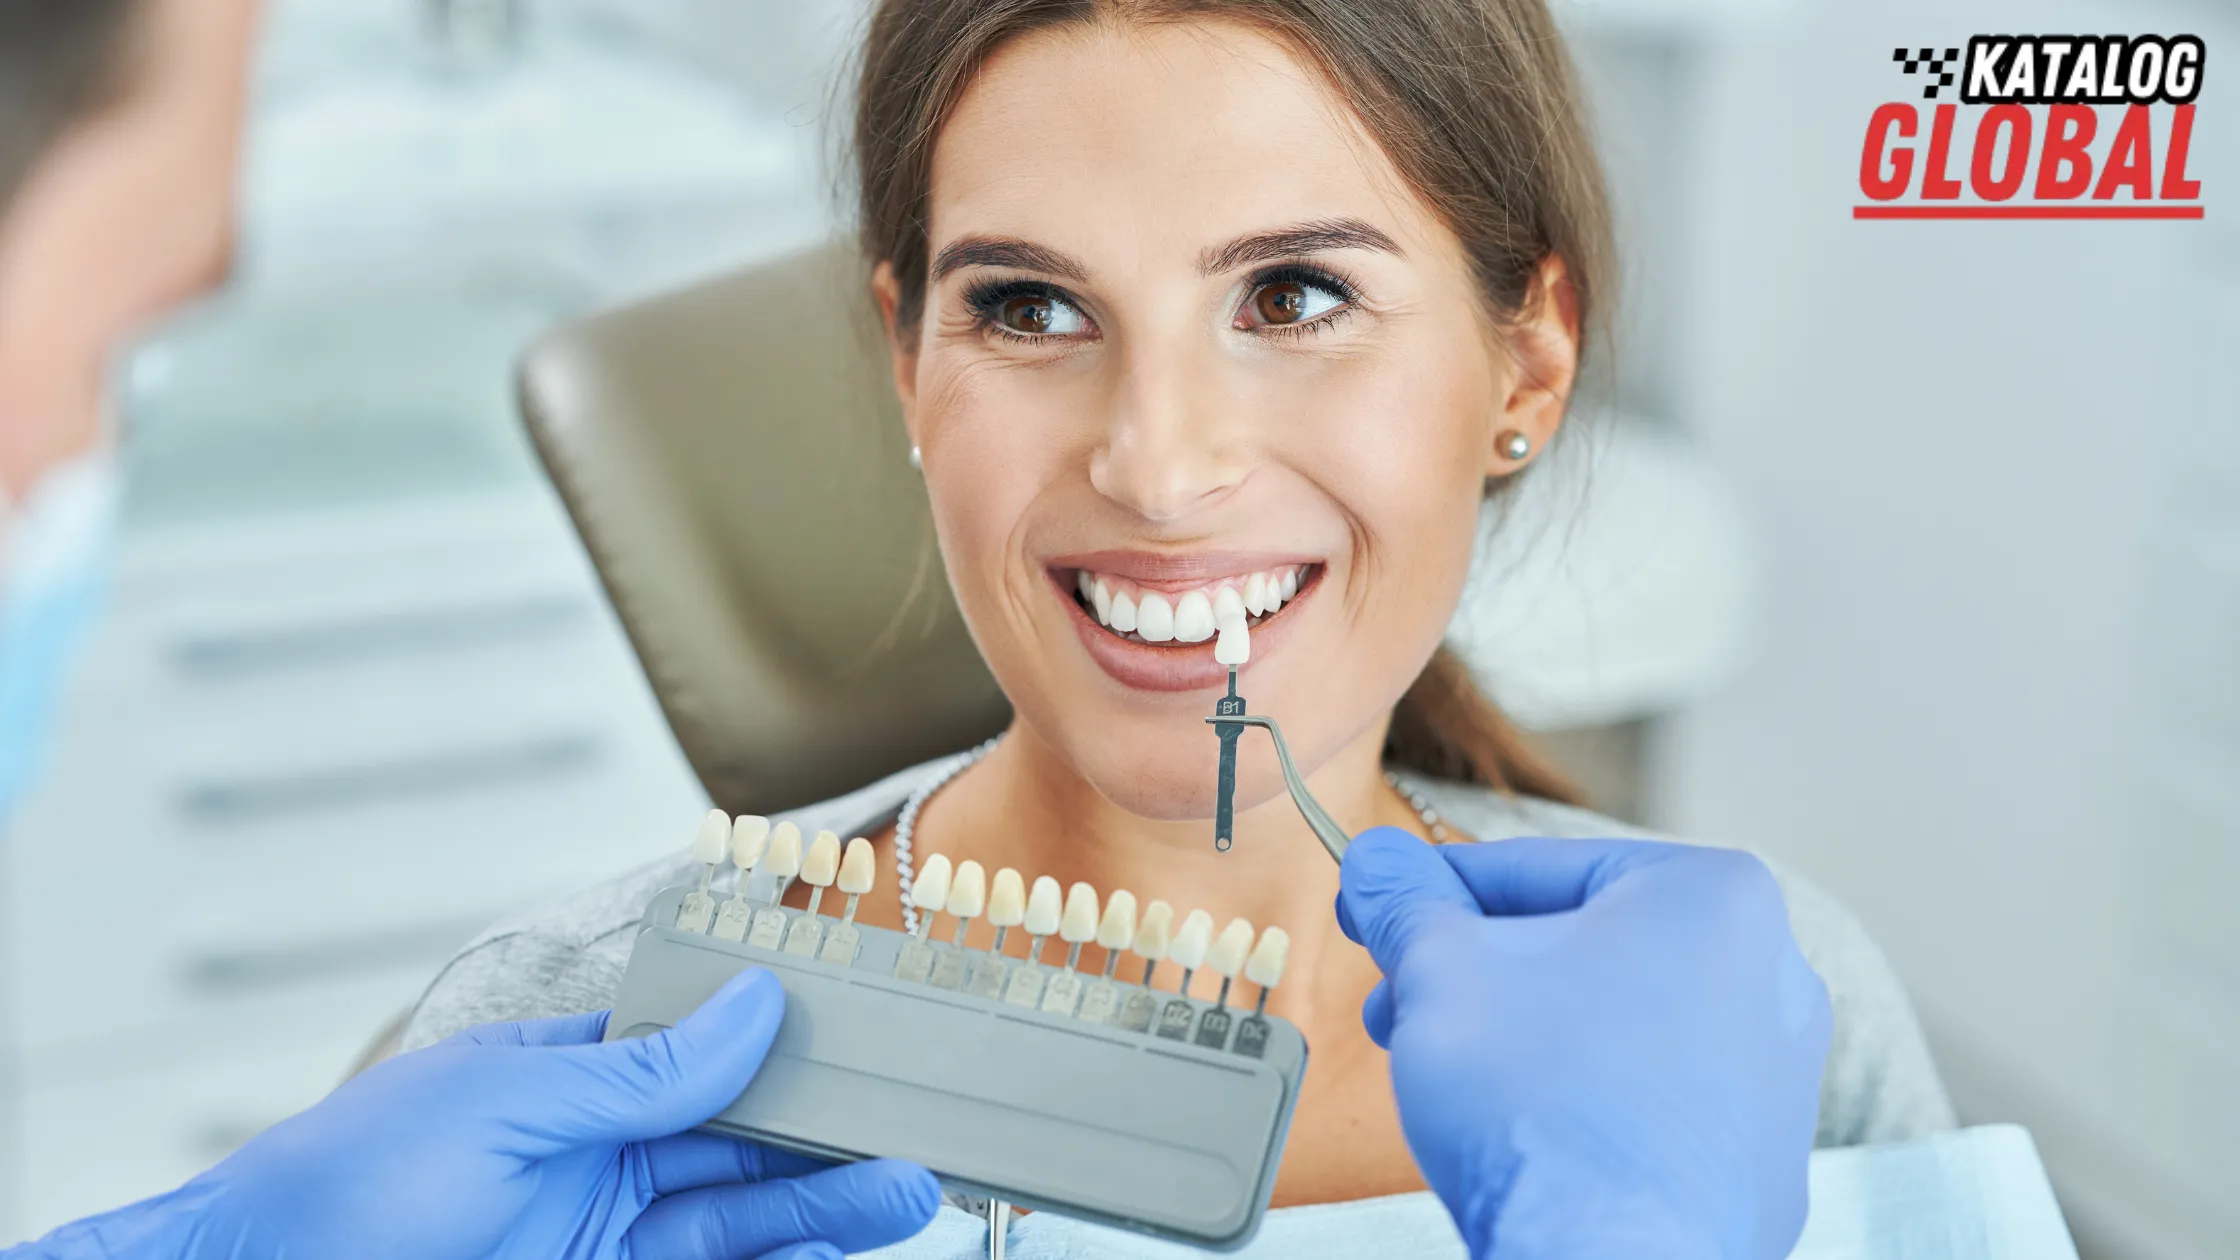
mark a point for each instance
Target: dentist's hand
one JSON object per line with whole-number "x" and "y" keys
{"x": 1600, "y": 1048}
{"x": 530, "y": 1141}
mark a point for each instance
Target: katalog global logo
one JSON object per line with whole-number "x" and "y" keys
{"x": 2045, "y": 127}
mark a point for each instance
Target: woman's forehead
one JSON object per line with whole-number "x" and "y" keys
{"x": 1157, "y": 139}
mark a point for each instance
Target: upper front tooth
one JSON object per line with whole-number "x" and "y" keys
{"x": 1193, "y": 618}
{"x": 1290, "y": 586}
{"x": 1084, "y": 583}
{"x": 1102, "y": 598}
{"x": 1123, "y": 614}
{"x": 1155, "y": 618}
{"x": 1256, "y": 594}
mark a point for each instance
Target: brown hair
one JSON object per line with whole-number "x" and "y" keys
{"x": 1473, "y": 100}
{"x": 59, "y": 60}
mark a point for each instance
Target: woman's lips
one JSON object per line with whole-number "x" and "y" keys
{"x": 1170, "y": 666}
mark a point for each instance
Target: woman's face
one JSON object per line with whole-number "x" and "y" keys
{"x": 1186, "y": 327}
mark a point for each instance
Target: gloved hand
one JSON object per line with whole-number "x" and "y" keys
{"x": 1600, "y": 1048}
{"x": 528, "y": 1140}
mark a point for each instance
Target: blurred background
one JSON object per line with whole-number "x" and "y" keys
{"x": 1906, "y": 553}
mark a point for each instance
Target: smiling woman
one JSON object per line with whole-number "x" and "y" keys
{"x": 1192, "y": 303}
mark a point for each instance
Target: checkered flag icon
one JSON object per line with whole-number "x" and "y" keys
{"x": 1915, "y": 61}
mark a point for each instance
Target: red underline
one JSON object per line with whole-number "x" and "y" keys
{"x": 2027, "y": 212}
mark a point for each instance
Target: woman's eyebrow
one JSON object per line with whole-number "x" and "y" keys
{"x": 1290, "y": 242}
{"x": 1004, "y": 251}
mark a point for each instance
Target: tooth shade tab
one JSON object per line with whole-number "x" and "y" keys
{"x": 1080, "y": 921}
{"x": 784, "y": 858}
{"x": 1117, "y": 930}
{"x": 1265, "y": 966}
{"x": 1191, "y": 941}
{"x": 1045, "y": 907}
{"x": 1155, "y": 932}
{"x": 1193, "y": 618}
{"x": 713, "y": 839}
{"x": 858, "y": 871}
{"x": 1007, "y": 899}
{"x": 1227, "y": 957}
{"x": 930, "y": 890}
{"x": 1234, "y": 647}
{"x": 750, "y": 836}
{"x": 821, "y": 864}
{"x": 968, "y": 890}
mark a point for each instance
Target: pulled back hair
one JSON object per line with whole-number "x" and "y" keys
{"x": 1474, "y": 101}
{"x": 59, "y": 60}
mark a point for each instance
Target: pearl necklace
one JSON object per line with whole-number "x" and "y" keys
{"x": 906, "y": 823}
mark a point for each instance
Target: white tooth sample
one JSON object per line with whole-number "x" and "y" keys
{"x": 857, "y": 871}
{"x": 1123, "y": 616}
{"x": 750, "y": 836}
{"x": 1155, "y": 618}
{"x": 1256, "y": 594}
{"x": 1191, "y": 941}
{"x": 968, "y": 893}
{"x": 713, "y": 839}
{"x": 929, "y": 892}
{"x": 821, "y": 864}
{"x": 1193, "y": 618}
{"x": 1007, "y": 899}
{"x": 1153, "y": 934}
{"x": 1234, "y": 647}
{"x": 1045, "y": 907}
{"x": 1227, "y": 957}
{"x": 1079, "y": 924}
{"x": 1102, "y": 600}
{"x": 1117, "y": 930}
{"x": 1227, "y": 605}
{"x": 784, "y": 859}
{"x": 1265, "y": 966}
{"x": 1290, "y": 585}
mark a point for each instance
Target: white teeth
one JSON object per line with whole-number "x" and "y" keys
{"x": 1123, "y": 615}
{"x": 858, "y": 873}
{"x": 784, "y": 859}
{"x": 1153, "y": 934}
{"x": 968, "y": 890}
{"x": 713, "y": 839}
{"x": 1265, "y": 967}
{"x": 750, "y": 835}
{"x": 1084, "y": 583}
{"x": 1118, "y": 929}
{"x": 821, "y": 865}
{"x": 1227, "y": 957}
{"x": 1101, "y": 597}
{"x": 1045, "y": 907}
{"x": 1227, "y": 605}
{"x": 1192, "y": 940}
{"x": 1155, "y": 618}
{"x": 930, "y": 890}
{"x": 1290, "y": 584}
{"x": 1007, "y": 899}
{"x": 1080, "y": 921}
{"x": 1256, "y": 594}
{"x": 1193, "y": 618}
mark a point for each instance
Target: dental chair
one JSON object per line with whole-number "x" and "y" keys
{"x": 734, "y": 458}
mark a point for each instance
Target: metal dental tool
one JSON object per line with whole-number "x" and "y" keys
{"x": 1229, "y": 720}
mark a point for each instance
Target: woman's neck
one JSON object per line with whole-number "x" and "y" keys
{"x": 1025, "y": 806}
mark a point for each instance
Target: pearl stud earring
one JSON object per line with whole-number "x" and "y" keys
{"x": 917, "y": 461}
{"x": 1514, "y": 444}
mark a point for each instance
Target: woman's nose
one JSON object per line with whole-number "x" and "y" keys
{"x": 1168, "y": 449}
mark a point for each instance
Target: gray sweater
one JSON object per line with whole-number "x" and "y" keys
{"x": 568, "y": 957}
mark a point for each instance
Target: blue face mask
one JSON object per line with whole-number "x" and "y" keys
{"x": 54, "y": 551}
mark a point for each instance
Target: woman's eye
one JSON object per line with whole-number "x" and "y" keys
{"x": 1038, "y": 315}
{"x": 1281, "y": 302}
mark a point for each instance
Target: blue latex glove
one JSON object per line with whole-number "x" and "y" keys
{"x": 1600, "y": 1048}
{"x": 531, "y": 1141}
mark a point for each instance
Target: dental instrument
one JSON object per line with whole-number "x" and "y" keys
{"x": 1229, "y": 719}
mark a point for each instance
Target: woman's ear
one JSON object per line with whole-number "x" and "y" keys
{"x": 902, "y": 348}
{"x": 1543, "y": 345}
